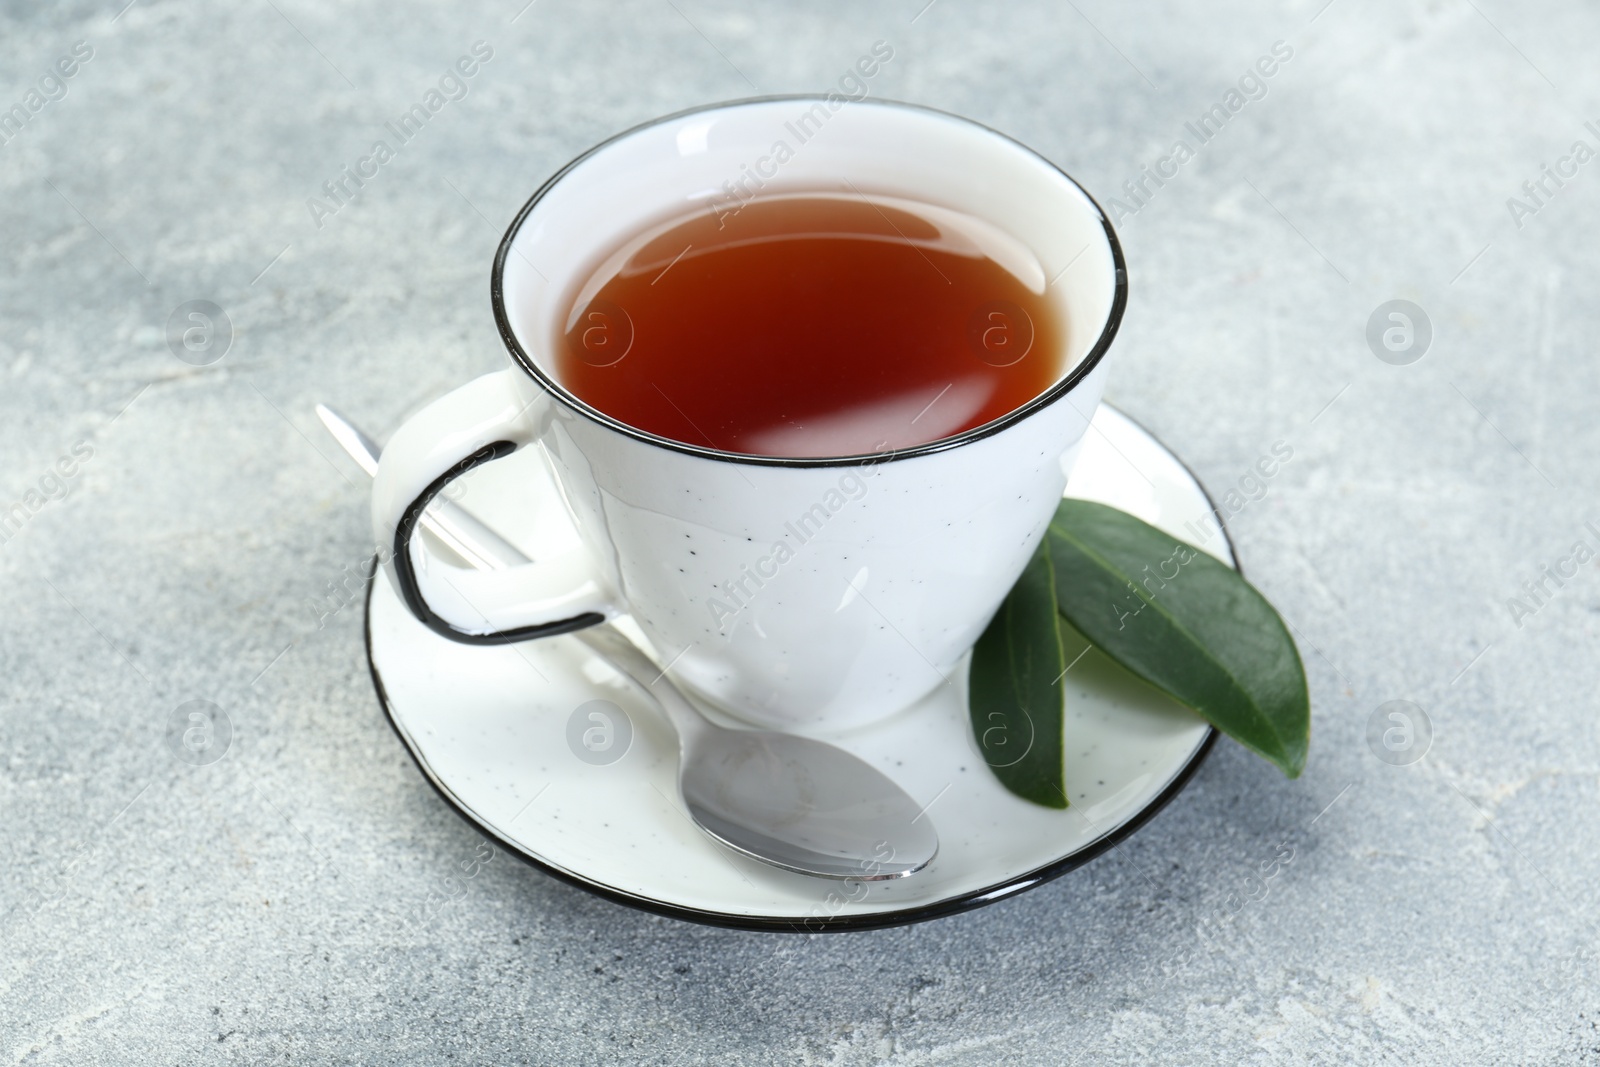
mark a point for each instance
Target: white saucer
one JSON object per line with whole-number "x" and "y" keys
{"x": 489, "y": 726}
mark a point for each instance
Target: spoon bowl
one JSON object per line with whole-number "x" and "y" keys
{"x": 804, "y": 806}
{"x": 791, "y": 801}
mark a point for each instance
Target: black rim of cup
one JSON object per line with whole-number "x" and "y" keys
{"x": 1058, "y": 391}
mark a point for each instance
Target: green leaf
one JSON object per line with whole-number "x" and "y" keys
{"x": 1013, "y": 696}
{"x": 1186, "y": 623}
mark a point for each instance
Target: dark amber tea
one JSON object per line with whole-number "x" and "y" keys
{"x": 814, "y": 325}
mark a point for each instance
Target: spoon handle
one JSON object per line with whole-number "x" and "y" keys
{"x": 484, "y": 549}
{"x": 480, "y": 546}
{"x": 615, "y": 647}
{"x": 469, "y": 538}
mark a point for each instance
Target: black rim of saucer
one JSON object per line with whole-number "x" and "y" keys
{"x": 834, "y": 923}
{"x": 1091, "y": 359}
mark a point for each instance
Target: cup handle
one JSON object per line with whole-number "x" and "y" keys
{"x": 486, "y": 419}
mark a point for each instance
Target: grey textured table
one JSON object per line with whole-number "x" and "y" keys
{"x": 274, "y": 905}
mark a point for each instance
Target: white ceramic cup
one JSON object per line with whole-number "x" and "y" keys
{"x": 792, "y": 593}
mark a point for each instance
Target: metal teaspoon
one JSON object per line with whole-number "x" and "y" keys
{"x": 786, "y": 800}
